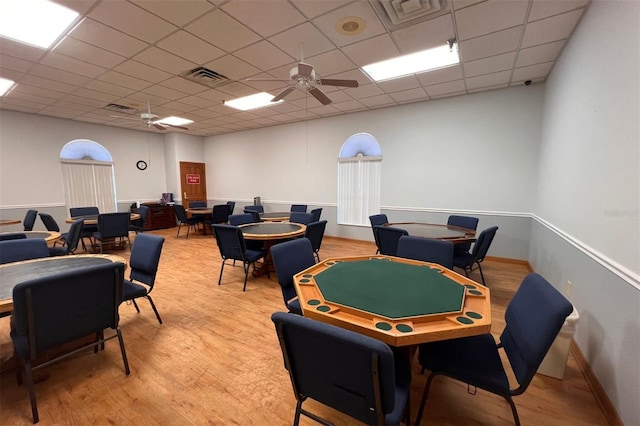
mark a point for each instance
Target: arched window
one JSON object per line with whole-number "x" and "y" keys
{"x": 87, "y": 171}
{"x": 359, "y": 171}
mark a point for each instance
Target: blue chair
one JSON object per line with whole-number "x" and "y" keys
{"x": 241, "y": 219}
{"x": 352, "y": 373}
{"x": 13, "y": 236}
{"x": 299, "y": 208}
{"x": 289, "y": 258}
{"x": 466, "y": 261}
{"x": 533, "y": 319}
{"x": 138, "y": 224}
{"x": 426, "y": 250}
{"x": 61, "y": 308}
{"x": 232, "y": 206}
{"x": 72, "y": 240}
{"x": 301, "y": 217}
{"x": 232, "y": 247}
{"x": 377, "y": 220}
{"x": 314, "y": 233}
{"x": 49, "y": 222}
{"x": 388, "y": 238}
{"x": 88, "y": 230}
{"x": 259, "y": 209}
{"x": 316, "y": 214}
{"x": 29, "y": 220}
{"x": 112, "y": 227}
{"x": 23, "y": 249}
{"x": 219, "y": 215}
{"x": 183, "y": 219}
{"x": 145, "y": 256}
{"x": 197, "y": 204}
{"x": 467, "y": 222}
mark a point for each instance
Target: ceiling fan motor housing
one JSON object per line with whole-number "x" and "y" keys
{"x": 298, "y": 76}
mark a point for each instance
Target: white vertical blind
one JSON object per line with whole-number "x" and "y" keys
{"x": 358, "y": 189}
{"x": 89, "y": 183}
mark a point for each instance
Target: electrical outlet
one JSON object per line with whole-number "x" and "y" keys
{"x": 569, "y": 288}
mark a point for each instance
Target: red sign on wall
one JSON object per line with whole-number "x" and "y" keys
{"x": 193, "y": 179}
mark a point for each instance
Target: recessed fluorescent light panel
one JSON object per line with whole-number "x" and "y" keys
{"x": 5, "y": 85}
{"x": 258, "y": 100}
{"x": 414, "y": 63}
{"x": 36, "y": 22}
{"x": 174, "y": 121}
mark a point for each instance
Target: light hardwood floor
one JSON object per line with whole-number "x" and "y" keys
{"x": 216, "y": 359}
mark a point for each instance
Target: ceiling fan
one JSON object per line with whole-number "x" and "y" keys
{"x": 151, "y": 120}
{"x": 303, "y": 77}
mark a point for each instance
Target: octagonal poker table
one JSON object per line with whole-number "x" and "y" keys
{"x": 399, "y": 301}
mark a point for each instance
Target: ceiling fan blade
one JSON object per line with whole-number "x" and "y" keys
{"x": 304, "y": 70}
{"x": 284, "y": 93}
{"x": 158, "y": 126}
{"x": 174, "y": 125}
{"x": 336, "y": 82}
{"x": 319, "y": 95}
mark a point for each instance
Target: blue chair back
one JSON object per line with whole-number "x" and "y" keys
{"x": 220, "y": 213}
{"x": 197, "y": 204}
{"x": 426, "y": 250}
{"x": 30, "y": 220}
{"x": 230, "y": 242}
{"x": 232, "y": 205}
{"x": 467, "y": 222}
{"x": 314, "y": 233}
{"x": 533, "y": 319}
{"x": 112, "y": 225}
{"x": 299, "y": 208}
{"x": 145, "y": 257}
{"x": 74, "y": 235}
{"x": 289, "y": 258}
{"x": 378, "y": 219}
{"x": 481, "y": 247}
{"x": 49, "y": 222}
{"x": 83, "y": 211}
{"x": 388, "y": 237}
{"x": 259, "y": 209}
{"x": 13, "y": 236}
{"x": 301, "y": 217}
{"x": 316, "y": 214}
{"x": 23, "y": 249}
{"x": 241, "y": 219}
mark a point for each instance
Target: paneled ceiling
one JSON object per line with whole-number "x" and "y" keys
{"x": 132, "y": 52}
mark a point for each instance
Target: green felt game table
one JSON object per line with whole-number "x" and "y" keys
{"x": 399, "y": 301}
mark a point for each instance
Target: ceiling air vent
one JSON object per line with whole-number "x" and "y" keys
{"x": 397, "y": 14}
{"x": 121, "y": 108}
{"x": 205, "y": 76}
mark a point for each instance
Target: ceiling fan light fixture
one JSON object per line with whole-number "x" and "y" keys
{"x": 414, "y": 63}
{"x": 38, "y": 23}
{"x": 247, "y": 103}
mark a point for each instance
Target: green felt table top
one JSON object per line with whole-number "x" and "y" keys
{"x": 390, "y": 289}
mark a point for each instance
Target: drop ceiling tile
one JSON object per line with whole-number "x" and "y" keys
{"x": 544, "y": 8}
{"x": 20, "y": 50}
{"x": 190, "y": 47}
{"x": 164, "y": 92}
{"x": 350, "y": 106}
{"x": 365, "y": 91}
{"x": 489, "y": 65}
{"x": 184, "y": 85}
{"x": 266, "y": 17}
{"x": 541, "y": 53}
{"x": 196, "y": 101}
{"x": 120, "y": 79}
{"x": 488, "y": 80}
{"x": 489, "y": 17}
{"x": 425, "y": 35}
{"x": 304, "y": 37}
{"x": 20, "y": 105}
{"x": 329, "y": 23}
{"x": 142, "y": 71}
{"x": 71, "y": 65}
{"x": 232, "y": 67}
{"x": 70, "y": 106}
{"x": 372, "y": 50}
{"x": 93, "y": 94}
{"x": 311, "y": 9}
{"x": 459, "y": 4}
{"x": 112, "y": 89}
{"x": 100, "y": 35}
{"x": 331, "y": 63}
{"x": 487, "y": 88}
{"x": 15, "y": 64}
{"x": 558, "y": 27}
{"x": 81, "y": 100}
{"x": 164, "y": 60}
{"x": 400, "y": 84}
{"x": 179, "y": 107}
{"x": 59, "y": 75}
{"x": 58, "y": 86}
{"x": 85, "y": 52}
{"x": 409, "y": 95}
{"x": 264, "y": 55}
{"x": 440, "y": 76}
{"x": 39, "y": 91}
{"x": 532, "y": 71}
{"x": 29, "y": 97}
{"x": 177, "y": 12}
{"x": 491, "y": 44}
{"x": 132, "y": 20}
{"x": 236, "y": 89}
{"x": 229, "y": 34}
{"x": 445, "y": 88}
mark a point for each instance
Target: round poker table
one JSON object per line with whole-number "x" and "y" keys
{"x": 14, "y": 273}
{"x": 275, "y": 216}
{"x": 92, "y": 219}
{"x": 270, "y": 233}
{"x": 455, "y": 234}
{"x": 48, "y": 236}
{"x": 9, "y": 222}
{"x": 399, "y": 301}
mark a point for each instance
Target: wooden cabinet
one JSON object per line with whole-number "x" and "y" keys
{"x": 160, "y": 216}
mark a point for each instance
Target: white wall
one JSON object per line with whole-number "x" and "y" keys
{"x": 587, "y": 229}
{"x": 180, "y": 147}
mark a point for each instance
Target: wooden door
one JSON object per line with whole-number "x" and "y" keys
{"x": 193, "y": 182}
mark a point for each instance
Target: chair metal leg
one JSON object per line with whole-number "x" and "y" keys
{"x": 481, "y": 274}
{"x": 179, "y": 226}
{"x": 135, "y": 305}
{"x": 245, "y": 266}
{"x": 516, "y": 418}
{"x": 153, "y": 306}
{"x": 425, "y": 394}
{"x": 32, "y": 392}
{"x": 123, "y": 351}
{"x": 221, "y": 269}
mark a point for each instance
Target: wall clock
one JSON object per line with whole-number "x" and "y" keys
{"x": 141, "y": 165}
